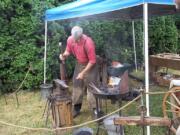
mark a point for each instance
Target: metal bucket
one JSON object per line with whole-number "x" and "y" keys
{"x": 111, "y": 128}
{"x": 46, "y": 90}
{"x": 83, "y": 131}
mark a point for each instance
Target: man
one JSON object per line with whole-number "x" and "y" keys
{"x": 177, "y": 4}
{"x": 83, "y": 48}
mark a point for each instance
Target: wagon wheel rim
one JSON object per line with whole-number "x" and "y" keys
{"x": 174, "y": 105}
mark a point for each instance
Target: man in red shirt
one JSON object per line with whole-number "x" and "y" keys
{"x": 83, "y": 48}
{"x": 177, "y": 4}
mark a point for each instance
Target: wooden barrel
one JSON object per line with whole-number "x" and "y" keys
{"x": 61, "y": 107}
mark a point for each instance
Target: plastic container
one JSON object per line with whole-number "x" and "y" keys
{"x": 111, "y": 128}
{"x": 46, "y": 90}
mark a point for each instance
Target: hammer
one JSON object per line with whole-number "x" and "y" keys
{"x": 62, "y": 65}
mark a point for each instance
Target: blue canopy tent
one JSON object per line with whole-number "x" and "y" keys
{"x": 121, "y": 9}
{"x": 113, "y": 9}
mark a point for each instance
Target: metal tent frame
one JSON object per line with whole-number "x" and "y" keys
{"x": 79, "y": 9}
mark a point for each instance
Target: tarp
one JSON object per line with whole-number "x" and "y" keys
{"x": 114, "y": 9}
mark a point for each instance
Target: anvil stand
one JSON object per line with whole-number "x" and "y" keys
{"x": 60, "y": 89}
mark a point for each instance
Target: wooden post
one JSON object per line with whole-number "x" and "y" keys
{"x": 148, "y": 121}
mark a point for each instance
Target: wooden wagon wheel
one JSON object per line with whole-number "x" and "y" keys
{"x": 171, "y": 107}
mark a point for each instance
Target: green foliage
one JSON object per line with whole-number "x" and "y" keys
{"x": 22, "y": 40}
{"x": 177, "y": 23}
{"x": 163, "y": 35}
{"x": 113, "y": 39}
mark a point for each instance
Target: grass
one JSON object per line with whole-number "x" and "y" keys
{"x": 139, "y": 74}
{"x": 29, "y": 113}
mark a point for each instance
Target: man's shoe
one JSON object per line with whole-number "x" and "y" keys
{"x": 96, "y": 114}
{"x": 76, "y": 110}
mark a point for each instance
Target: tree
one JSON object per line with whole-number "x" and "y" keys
{"x": 163, "y": 35}
{"x": 22, "y": 40}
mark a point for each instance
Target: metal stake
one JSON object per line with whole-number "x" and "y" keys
{"x": 142, "y": 109}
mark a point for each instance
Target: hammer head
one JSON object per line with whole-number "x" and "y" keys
{"x": 60, "y": 87}
{"x": 60, "y": 84}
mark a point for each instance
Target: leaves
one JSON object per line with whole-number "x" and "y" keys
{"x": 163, "y": 35}
{"x": 21, "y": 36}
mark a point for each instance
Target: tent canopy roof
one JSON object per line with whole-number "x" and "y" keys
{"x": 99, "y": 9}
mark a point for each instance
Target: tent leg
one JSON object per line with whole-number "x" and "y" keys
{"x": 145, "y": 11}
{"x": 45, "y": 51}
{"x": 134, "y": 45}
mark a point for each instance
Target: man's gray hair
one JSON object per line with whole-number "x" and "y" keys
{"x": 76, "y": 32}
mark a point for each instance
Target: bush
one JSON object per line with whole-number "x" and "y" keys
{"x": 22, "y": 41}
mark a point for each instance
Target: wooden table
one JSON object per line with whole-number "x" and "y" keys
{"x": 167, "y": 60}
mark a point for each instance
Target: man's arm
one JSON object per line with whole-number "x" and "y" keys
{"x": 67, "y": 52}
{"x": 83, "y": 72}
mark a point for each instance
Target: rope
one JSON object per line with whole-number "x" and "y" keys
{"x": 21, "y": 84}
{"x": 71, "y": 127}
{"x": 17, "y": 90}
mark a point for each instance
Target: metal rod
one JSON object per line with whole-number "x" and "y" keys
{"x": 145, "y": 15}
{"x": 134, "y": 45}
{"x": 45, "y": 51}
{"x": 5, "y": 98}
{"x": 106, "y": 105}
{"x": 142, "y": 100}
{"x": 142, "y": 111}
{"x": 45, "y": 108}
{"x": 17, "y": 100}
{"x": 48, "y": 109}
{"x": 97, "y": 107}
{"x": 143, "y": 130}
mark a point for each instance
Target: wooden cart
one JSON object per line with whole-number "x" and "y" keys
{"x": 167, "y": 60}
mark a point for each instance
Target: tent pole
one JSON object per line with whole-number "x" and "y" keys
{"x": 45, "y": 48}
{"x": 145, "y": 11}
{"x": 134, "y": 45}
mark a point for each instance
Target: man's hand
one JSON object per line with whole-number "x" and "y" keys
{"x": 80, "y": 76}
{"x": 61, "y": 57}
{"x": 82, "y": 73}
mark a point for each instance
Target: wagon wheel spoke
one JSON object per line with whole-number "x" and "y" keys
{"x": 173, "y": 105}
{"x": 177, "y": 100}
{"x": 173, "y": 111}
